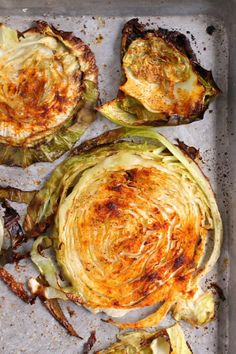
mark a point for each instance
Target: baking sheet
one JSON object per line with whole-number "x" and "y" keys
{"x": 30, "y": 328}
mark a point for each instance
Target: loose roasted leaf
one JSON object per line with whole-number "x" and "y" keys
{"x": 54, "y": 308}
{"x": 90, "y": 343}
{"x": 11, "y": 223}
{"x": 16, "y": 287}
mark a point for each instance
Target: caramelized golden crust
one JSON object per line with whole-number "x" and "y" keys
{"x": 132, "y": 227}
{"x": 133, "y": 247}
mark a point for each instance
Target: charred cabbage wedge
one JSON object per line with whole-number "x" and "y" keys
{"x": 165, "y": 341}
{"x": 48, "y": 91}
{"x": 133, "y": 225}
{"x": 163, "y": 83}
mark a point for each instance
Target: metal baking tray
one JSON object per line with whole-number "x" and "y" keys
{"x": 30, "y": 328}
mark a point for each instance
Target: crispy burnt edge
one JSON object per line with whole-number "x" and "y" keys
{"x": 133, "y": 30}
{"x": 90, "y": 342}
{"x": 109, "y": 137}
{"x": 11, "y": 223}
{"x": 55, "y": 310}
{"x": 25, "y": 156}
{"x": 17, "y": 236}
{"x": 190, "y": 151}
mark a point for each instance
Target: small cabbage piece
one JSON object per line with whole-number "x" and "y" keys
{"x": 164, "y": 341}
{"x": 197, "y": 311}
{"x": 48, "y": 269}
{"x": 163, "y": 83}
{"x": 131, "y": 225}
{"x": 48, "y": 91}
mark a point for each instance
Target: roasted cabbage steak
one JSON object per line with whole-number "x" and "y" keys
{"x": 48, "y": 91}
{"x": 133, "y": 224}
{"x": 163, "y": 83}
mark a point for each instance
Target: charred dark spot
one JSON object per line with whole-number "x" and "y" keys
{"x": 210, "y": 29}
{"x": 90, "y": 343}
{"x": 61, "y": 99}
{"x": 181, "y": 39}
{"x": 157, "y": 225}
{"x": 191, "y": 151}
{"x": 40, "y": 249}
{"x": 60, "y": 245}
{"x": 150, "y": 277}
{"x": 189, "y": 347}
{"x": 156, "y": 210}
{"x": 130, "y": 175}
{"x": 111, "y": 206}
{"x": 179, "y": 262}
{"x": 78, "y": 76}
{"x": 181, "y": 278}
{"x": 115, "y": 303}
{"x": 199, "y": 242}
{"x": 71, "y": 311}
{"x": 116, "y": 188}
{"x": 219, "y": 291}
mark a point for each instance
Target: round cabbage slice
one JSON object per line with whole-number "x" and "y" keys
{"x": 133, "y": 225}
{"x": 48, "y": 90}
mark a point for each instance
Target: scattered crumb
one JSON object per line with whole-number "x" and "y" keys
{"x": 71, "y": 311}
{"x": 101, "y": 21}
{"x": 99, "y": 39}
{"x": 210, "y": 29}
